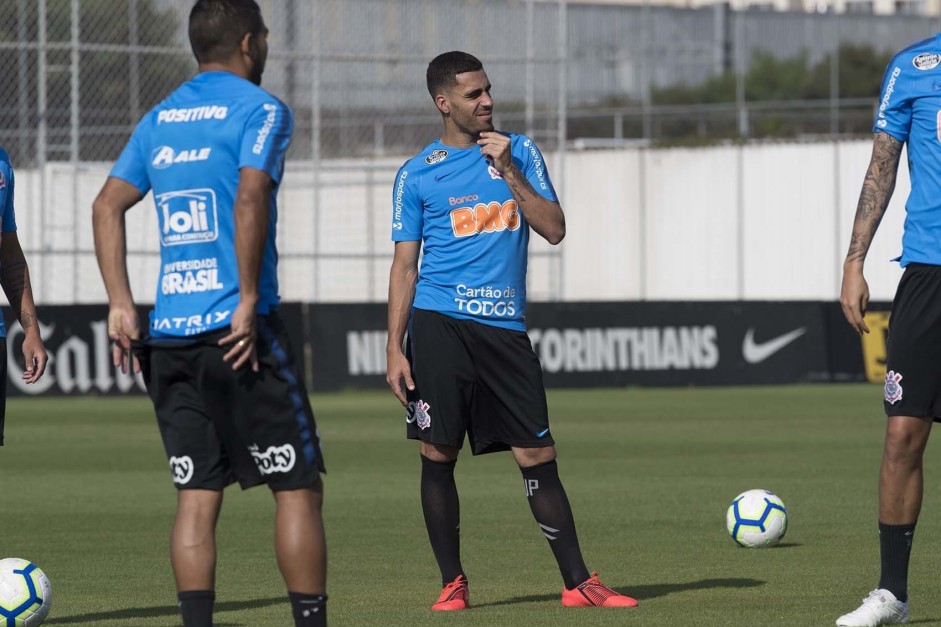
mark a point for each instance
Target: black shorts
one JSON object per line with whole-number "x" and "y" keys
{"x": 220, "y": 426}
{"x": 913, "y": 361}
{"x": 477, "y": 379}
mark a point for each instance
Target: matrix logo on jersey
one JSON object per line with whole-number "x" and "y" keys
{"x": 193, "y": 114}
{"x": 485, "y": 218}
{"x": 165, "y": 156}
{"x": 274, "y": 458}
{"x": 187, "y": 217}
{"x": 191, "y": 325}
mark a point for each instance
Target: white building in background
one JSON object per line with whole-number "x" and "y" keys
{"x": 878, "y": 7}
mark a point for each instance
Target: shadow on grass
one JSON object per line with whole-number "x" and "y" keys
{"x": 642, "y": 592}
{"x": 165, "y": 610}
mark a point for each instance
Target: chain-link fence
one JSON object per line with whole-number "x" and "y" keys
{"x": 78, "y": 74}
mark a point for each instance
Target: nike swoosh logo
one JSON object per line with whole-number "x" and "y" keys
{"x": 542, "y": 433}
{"x": 439, "y": 177}
{"x": 755, "y": 353}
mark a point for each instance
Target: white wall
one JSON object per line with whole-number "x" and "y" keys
{"x": 755, "y": 222}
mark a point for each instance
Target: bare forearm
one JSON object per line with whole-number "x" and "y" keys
{"x": 111, "y": 250}
{"x": 401, "y": 296}
{"x": 251, "y": 235}
{"x": 544, "y": 216}
{"x": 875, "y": 195}
{"x": 14, "y": 278}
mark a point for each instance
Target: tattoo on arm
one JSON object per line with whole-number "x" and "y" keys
{"x": 875, "y": 195}
{"x": 521, "y": 187}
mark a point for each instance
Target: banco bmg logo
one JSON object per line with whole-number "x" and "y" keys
{"x": 187, "y": 217}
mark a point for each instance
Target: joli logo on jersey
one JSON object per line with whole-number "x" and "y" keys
{"x": 187, "y": 217}
{"x": 274, "y": 458}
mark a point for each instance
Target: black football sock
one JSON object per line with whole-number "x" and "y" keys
{"x": 442, "y": 510}
{"x": 196, "y": 607}
{"x": 554, "y": 514}
{"x": 310, "y": 610}
{"x": 895, "y": 543}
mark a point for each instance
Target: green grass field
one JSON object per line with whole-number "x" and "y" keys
{"x": 87, "y": 495}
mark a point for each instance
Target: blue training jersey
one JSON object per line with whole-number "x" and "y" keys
{"x": 190, "y": 149}
{"x": 7, "y": 215}
{"x": 910, "y": 111}
{"x": 474, "y": 239}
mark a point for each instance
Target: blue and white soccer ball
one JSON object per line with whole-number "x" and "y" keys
{"x": 756, "y": 519}
{"x": 25, "y": 593}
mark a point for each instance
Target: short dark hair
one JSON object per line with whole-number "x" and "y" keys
{"x": 444, "y": 68}
{"x": 216, "y": 27}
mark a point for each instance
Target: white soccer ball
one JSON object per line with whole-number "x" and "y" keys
{"x": 756, "y": 519}
{"x": 25, "y": 593}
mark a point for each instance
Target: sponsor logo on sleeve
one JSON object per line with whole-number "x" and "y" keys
{"x": 881, "y": 122}
{"x": 399, "y": 194}
{"x": 187, "y": 217}
{"x": 165, "y": 156}
{"x": 192, "y": 114}
{"x": 927, "y": 61}
{"x": 537, "y": 163}
{"x": 436, "y": 156}
{"x": 3, "y": 181}
{"x": 265, "y": 129}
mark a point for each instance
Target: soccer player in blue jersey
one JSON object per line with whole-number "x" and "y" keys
{"x": 217, "y": 360}
{"x": 909, "y": 114}
{"x": 14, "y": 279}
{"x": 467, "y": 203}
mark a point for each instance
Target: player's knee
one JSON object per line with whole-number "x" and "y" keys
{"x": 529, "y": 457}
{"x": 439, "y": 452}
{"x": 905, "y": 439}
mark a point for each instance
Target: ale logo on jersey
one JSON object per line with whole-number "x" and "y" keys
{"x": 187, "y": 217}
{"x": 165, "y": 156}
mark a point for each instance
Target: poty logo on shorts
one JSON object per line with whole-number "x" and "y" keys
{"x": 274, "y": 459}
{"x": 165, "y": 156}
{"x": 187, "y": 217}
{"x": 893, "y": 391}
{"x": 182, "y": 469}
{"x": 419, "y": 413}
